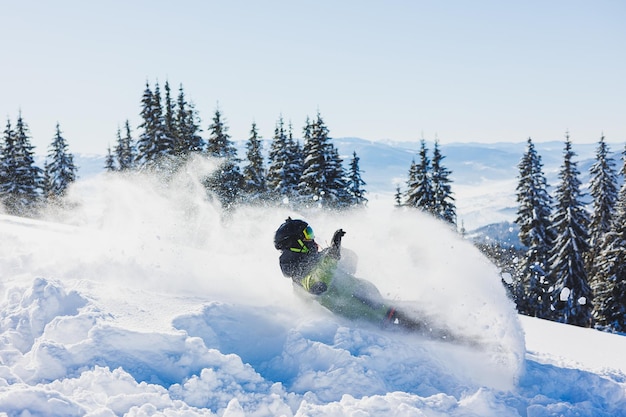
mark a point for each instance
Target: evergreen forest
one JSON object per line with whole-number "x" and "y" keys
{"x": 573, "y": 266}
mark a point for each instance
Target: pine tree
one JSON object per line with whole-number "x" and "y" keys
{"x": 60, "y": 171}
{"x": 117, "y": 150}
{"x": 277, "y": 178}
{"x": 604, "y": 190}
{"x": 444, "y": 207}
{"x": 155, "y": 144}
{"x": 164, "y": 140}
{"x": 337, "y": 193}
{"x": 255, "y": 183}
{"x": 610, "y": 284}
{"x": 187, "y": 132}
{"x": 571, "y": 294}
{"x": 22, "y": 180}
{"x": 533, "y": 218}
{"x": 169, "y": 125}
{"x": 219, "y": 144}
{"x": 8, "y": 161}
{"x": 356, "y": 183}
{"x": 125, "y": 149}
{"x": 323, "y": 182}
{"x": 285, "y": 165}
{"x": 411, "y": 183}
{"x": 146, "y": 146}
{"x": 227, "y": 181}
{"x": 109, "y": 161}
{"x": 295, "y": 166}
{"x": 398, "y": 197}
{"x": 314, "y": 165}
{"x": 420, "y": 192}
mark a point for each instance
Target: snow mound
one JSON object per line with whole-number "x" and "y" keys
{"x": 144, "y": 299}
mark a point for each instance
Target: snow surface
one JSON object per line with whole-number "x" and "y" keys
{"x": 144, "y": 299}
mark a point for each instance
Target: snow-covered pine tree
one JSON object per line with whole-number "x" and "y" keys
{"x": 60, "y": 171}
{"x": 226, "y": 182}
{"x": 125, "y": 149}
{"x": 533, "y": 218}
{"x": 295, "y": 156}
{"x": 604, "y": 190}
{"x": 164, "y": 140}
{"x": 154, "y": 146}
{"x": 323, "y": 182}
{"x": 7, "y": 159}
{"x": 420, "y": 192}
{"x": 337, "y": 193}
{"x": 610, "y": 283}
{"x": 312, "y": 186}
{"x": 411, "y": 183}
{"x": 219, "y": 144}
{"x": 356, "y": 182}
{"x": 117, "y": 150}
{"x": 571, "y": 293}
{"x": 397, "y": 197}
{"x": 109, "y": 161}
{"x": 22, "y": 180}
{"x": 444, "y": 206}
{"x": 146, "y": 146}
{"x": 277, "y": 179}
{"x": 187, "y": 127}
{"x": 255, "y": 184}
{"x": 169, "y": 123}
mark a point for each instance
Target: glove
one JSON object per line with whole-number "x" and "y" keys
{"x": 334, "y": 251}
{"x": 337, "y": 237}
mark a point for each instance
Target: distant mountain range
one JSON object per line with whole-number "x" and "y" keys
{"x": 387, "y": 163}
{"x": 484, "y": 176}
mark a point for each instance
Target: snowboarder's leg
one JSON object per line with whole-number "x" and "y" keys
{"x": 429, "y": 329}
{"x": 354, "y": 298}
{"x": 415, "y": 325}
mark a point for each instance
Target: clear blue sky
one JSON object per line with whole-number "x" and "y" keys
{"x": 461, "y": 71}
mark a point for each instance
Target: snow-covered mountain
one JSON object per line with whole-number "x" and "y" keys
{"x": 142, "y": 300}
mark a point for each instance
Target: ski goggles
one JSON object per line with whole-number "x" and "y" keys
{"x": 308, "y": 233}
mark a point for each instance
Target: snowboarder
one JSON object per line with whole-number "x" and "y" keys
{"x": 316, "y": 271}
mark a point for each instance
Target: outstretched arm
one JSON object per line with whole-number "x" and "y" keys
{"x": 318, "y": 280}
{"x": 335, "y": 249}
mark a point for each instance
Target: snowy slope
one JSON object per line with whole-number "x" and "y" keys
{"x": 144, "y": 300}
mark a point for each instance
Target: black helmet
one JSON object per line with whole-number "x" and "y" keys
{"x": 289, "y": 232}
